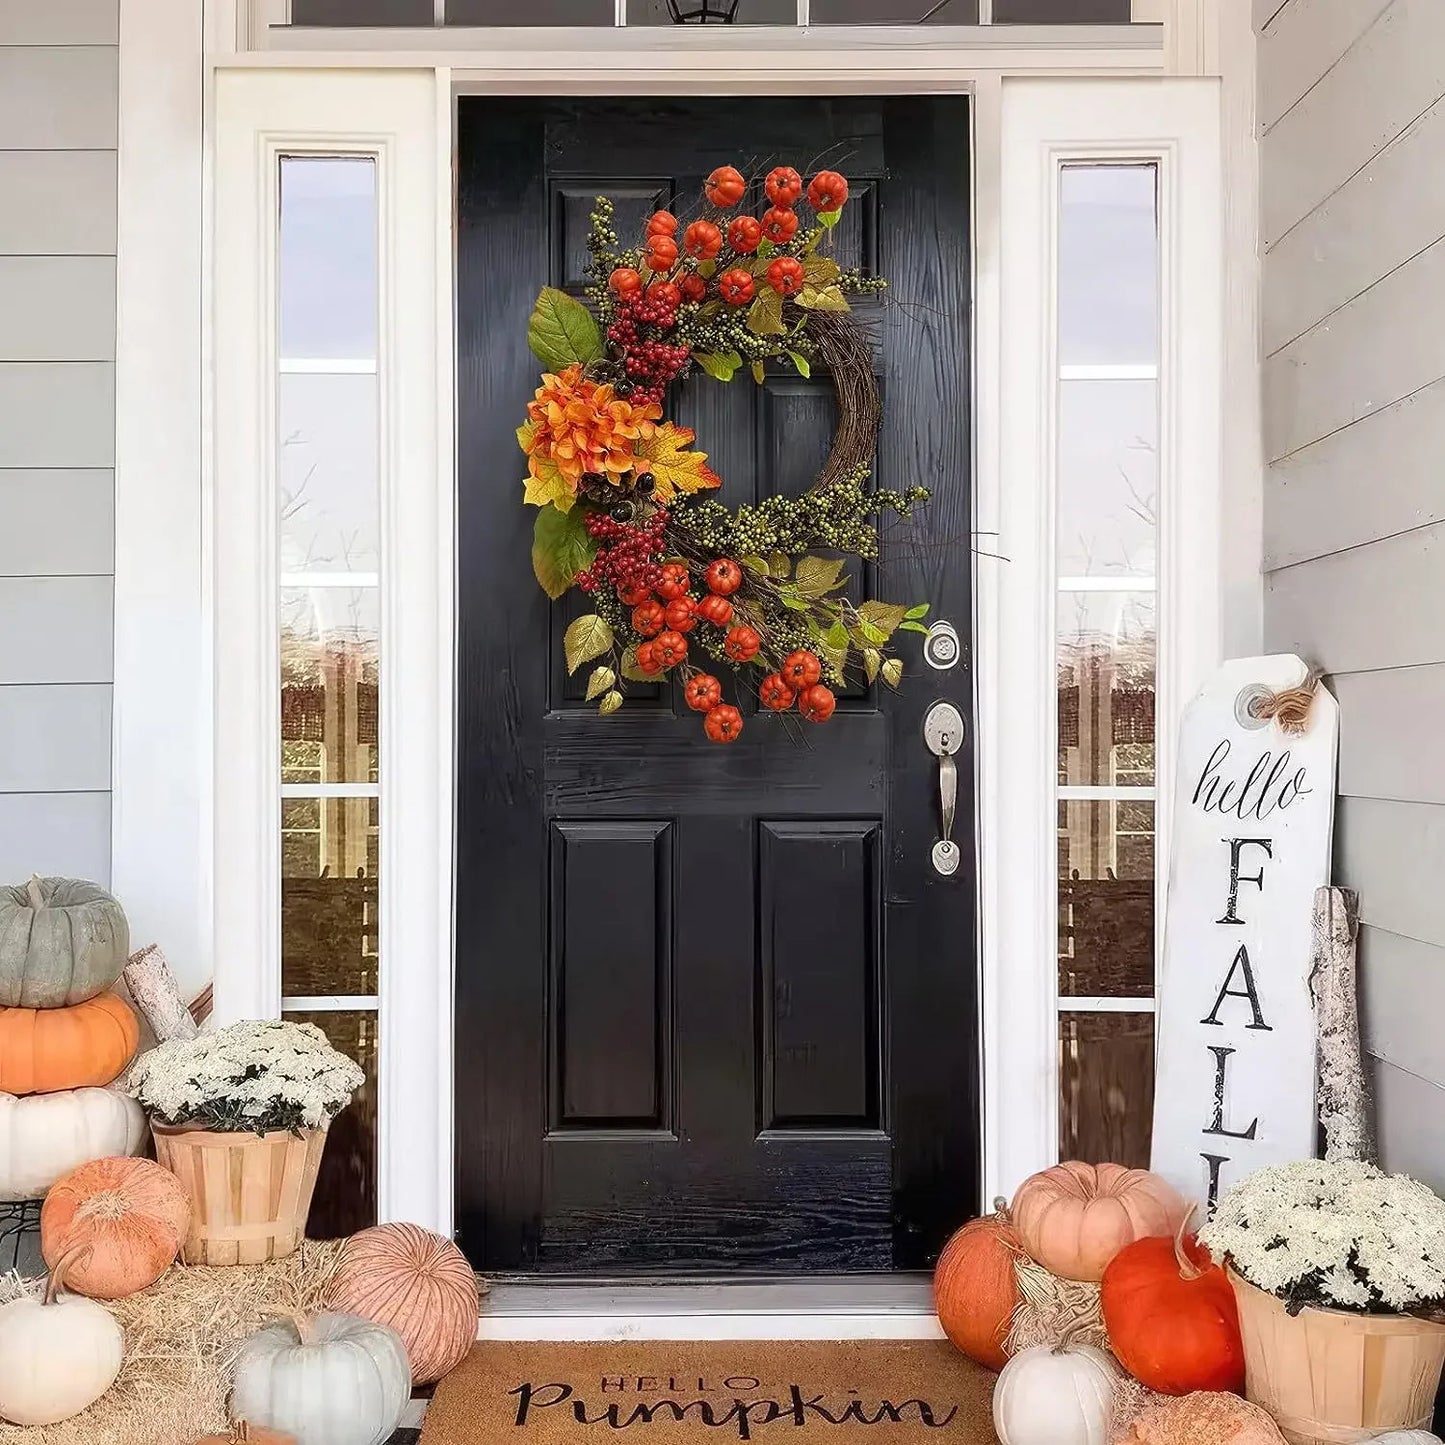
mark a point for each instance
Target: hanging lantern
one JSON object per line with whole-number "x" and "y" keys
{"x": 703, "y": 12}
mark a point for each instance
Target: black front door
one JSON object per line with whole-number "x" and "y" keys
{"x": 716, "y": 1011}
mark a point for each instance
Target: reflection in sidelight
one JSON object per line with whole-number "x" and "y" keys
{"x": 1106, "y": 1087}
{"x": 1106, "y": 899}
{"x": 328, "y": 481}
{"x": 346, "y": 1186}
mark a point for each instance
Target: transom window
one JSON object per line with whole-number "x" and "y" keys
{"x": 743, "y": 12}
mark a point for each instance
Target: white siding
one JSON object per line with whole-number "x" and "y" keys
{"x": 1352, "y": 98}
{"x": 58, "y": 127}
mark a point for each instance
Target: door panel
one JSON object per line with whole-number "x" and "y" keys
{"x": 715, "y": 1010}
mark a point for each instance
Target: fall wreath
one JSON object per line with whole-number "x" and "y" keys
{"x": 675, "y": 576}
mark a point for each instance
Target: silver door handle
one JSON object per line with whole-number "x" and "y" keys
{"x": 943, "y": 734}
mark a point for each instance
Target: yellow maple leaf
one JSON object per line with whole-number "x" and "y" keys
{"x": 546, "y": 486}
{"x": 674, "y": 468}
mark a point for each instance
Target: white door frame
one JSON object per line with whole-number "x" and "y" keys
{"x": 172, "y": 818}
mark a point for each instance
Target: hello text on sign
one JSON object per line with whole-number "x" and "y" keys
{"x": 1251, "y": 830}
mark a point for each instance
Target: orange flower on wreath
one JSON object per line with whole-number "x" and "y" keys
{"x": 575, "y": 427}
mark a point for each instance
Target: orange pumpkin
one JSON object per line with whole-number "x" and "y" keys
{"x": 1074, "y": 1218}
{"x": 1172, "y": 1317}
{"x": 418, "y": 1283}
{"x": 129, "y": 1213}
{"x": 975, "y": 1290}
{"x": 43, "y": 1051}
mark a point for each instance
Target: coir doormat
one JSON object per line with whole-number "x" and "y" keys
{"x": 889, "y": 1391}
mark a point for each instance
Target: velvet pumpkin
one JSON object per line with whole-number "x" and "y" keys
{"x": 1205, "y": 1419}
{"x": 130, "y": 1217}
{"x": 1405, "y": 1437}
{"x": 62, "y": 941}
{"x": 975, "y": 1290}
{"x": 1172, "y": 1317}
{"x": 418, "y": 1283}
{"x": 1074, "y": 1218}
{"x": 43, "y": 1051}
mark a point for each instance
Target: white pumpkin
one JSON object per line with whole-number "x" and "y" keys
{"x": 58, "y": 1355}
{"x": 44, "y": 1136}
{"x": 1405, "y": 1437}
{"x": 1055, "y": 1395}
{"x": 327, "y": 1379}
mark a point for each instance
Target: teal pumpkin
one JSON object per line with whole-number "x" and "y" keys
{"x": 62, "y": 942}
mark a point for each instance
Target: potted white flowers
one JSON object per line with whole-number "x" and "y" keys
{"x": 1335, "y": 1266}
{"x": 240, "y": 1118}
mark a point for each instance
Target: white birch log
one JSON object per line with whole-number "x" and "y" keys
{"x": 1344, "y": 1096}
{"x": 153, "y": 987}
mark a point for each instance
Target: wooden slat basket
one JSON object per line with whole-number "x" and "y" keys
{"x": 250, "y": 1193}
{"x": 1333, "y": 1377}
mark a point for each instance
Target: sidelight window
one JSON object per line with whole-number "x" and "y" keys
{"x": 328, "y": 523}
{"x": 1106, "y": 470}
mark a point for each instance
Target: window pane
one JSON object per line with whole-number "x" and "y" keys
{"x": 1108, "y": 266}
{"x": 1106, "y": 1087}
{"x": 329, "y": 924}
{"x": 1106, "y": 899}
{"x": 749, "y": 12}
{"x": 1108, "y": 478}
{"x": 894, "y": 12}
{"x": 346, "y": 1185}
{"x": 1061, "y": 12}
{"x": 530, "y": 12}
{"x": 329, "y": 671}
{"x": 328, "y": 257}
{"x": 327, "y": 473}
{"x": 1106, "y": 663}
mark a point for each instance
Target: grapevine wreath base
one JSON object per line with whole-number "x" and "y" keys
{"x": 676, "y": 578}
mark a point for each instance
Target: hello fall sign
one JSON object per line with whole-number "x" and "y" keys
{"x": 1251, "y": 832}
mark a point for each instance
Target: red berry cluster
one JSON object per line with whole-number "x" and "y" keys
{"x": 628, "y": 557}
{"x": 650, "y": 364}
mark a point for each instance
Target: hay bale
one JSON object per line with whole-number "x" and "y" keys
{"x": 180, "y": 1339}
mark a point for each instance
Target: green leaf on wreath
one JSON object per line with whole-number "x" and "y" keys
{"x": 779, "y": 564}
{"x": 610, "y": 703}
{"x": 911, "y": 626}
{"x": 561, "y": 549}
{"x": 821, "y": 270}
{"x": 766, "y": 248}
{"x": 833, "y": 644}
{"x": 585, "y": 639}
{"x": 631, "y": 671}
{"x": 822, "y": 298}
{"x": 829, "y": 218}
{"x": 720, "y": 365}
{"x": 793, "y": 602}
{"x": 601, "y": 680}
{"x": 765, "y": 315}
{"x": 893, "y": 671}
{"x": 801, "y": 362}
{"x": 817, "y": 576}
{"x": 756, "y": 564}
{"x": 883, "y": 615}
{"x": 914, "y": 613}
{"x": 872, "y": 661}
{"x": 758, "y": 372}
{"x": 871, "y": 634}
{"x": 707, "y": 269}
{"x": 562, "y": 332}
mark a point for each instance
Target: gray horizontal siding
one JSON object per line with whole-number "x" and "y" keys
{"x": 57, "y": 414}
{"x": 67, "y": 834}
{"x": 54, "y": 98}
{"x": 1352, "y": 101}
{"x": 57, "y": 308}
{"x": 55, "y": 739}
{"x": 59, "y": 22}
{"x": 57, "y": 203}
{"x": 1392, "y": 74}
{"x": 1411, "y": 1121}
{"x": 58, "y": 127}
{"x": 1402, "y": 997}
{"x": 57, "y": 522}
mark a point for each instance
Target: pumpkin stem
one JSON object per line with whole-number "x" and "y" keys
{"x": 1187, "y": 1268}
{"x": 305, "y": 1330}
{"x": 32, "y": 888}
{"x": 240, "y": 1431}
{"x": 56, "y": 1282}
